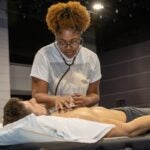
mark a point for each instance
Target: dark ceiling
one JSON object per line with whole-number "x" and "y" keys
{"x": 120, "y": 23}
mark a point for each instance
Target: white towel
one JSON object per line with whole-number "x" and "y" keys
{"x": 50, "y": 128}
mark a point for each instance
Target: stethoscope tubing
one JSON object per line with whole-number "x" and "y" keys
{"x": 69, "y": 65}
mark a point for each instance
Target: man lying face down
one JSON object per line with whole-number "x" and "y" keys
{"x": 129, "y": 121}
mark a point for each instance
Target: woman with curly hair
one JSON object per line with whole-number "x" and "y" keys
{"x": 64, "y": 73}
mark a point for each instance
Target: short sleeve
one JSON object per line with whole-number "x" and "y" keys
{"x": 40, "y": 67}
{"x": 95, "y": 74}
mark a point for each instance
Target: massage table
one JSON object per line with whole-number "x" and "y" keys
{"x": 119, "y": 143}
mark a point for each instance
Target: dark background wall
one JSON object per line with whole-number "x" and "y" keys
{"x": 126, "y": 76}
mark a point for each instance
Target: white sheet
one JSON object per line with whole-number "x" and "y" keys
{"x": 49, "y": 129}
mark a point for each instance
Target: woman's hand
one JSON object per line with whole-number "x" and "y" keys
{"x": 62, "y": 103}
{"x": 80, "y": 100}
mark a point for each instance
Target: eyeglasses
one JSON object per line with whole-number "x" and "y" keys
{"x": 73, "y": 43}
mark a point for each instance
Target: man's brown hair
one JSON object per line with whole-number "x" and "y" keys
{"x": 13, "y": 111}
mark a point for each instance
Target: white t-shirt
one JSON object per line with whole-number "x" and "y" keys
{"x": 49, "y": 66}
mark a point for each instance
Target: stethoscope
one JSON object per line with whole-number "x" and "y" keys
{"x": 68, "y": 64}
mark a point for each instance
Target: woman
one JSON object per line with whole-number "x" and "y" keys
{"x": 65, "y": 72}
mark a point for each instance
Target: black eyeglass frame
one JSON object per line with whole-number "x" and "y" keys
{"x": 73, "y": 44}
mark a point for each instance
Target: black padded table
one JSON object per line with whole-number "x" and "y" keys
{"x": 121, "y": 143}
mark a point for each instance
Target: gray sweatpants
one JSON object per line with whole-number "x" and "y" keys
{"x": 133, "y": 112}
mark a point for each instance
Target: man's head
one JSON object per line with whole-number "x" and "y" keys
{"x": 16, "y": 109}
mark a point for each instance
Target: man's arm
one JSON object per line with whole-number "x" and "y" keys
{"x": 133, "y": 128}
{"x": 139, "y": 125}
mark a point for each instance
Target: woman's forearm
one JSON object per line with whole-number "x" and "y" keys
{"x": 49, "y": 100}
{"x": 92, "y": 99}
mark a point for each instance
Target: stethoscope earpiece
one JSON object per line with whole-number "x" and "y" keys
{"x": 81, "y": 41}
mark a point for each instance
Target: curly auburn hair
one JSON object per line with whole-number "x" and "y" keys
{"x": 68, "y": 15}
{"x": 14, "y": 110}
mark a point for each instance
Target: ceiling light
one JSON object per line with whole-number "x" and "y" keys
{"x": 116, "y": 11}
{"x": 98, "y": 6}
{"x": 130, "y": 15}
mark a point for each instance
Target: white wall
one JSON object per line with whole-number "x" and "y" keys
{"x": 20, "y": 79}
{"x": 4, "y": 58}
